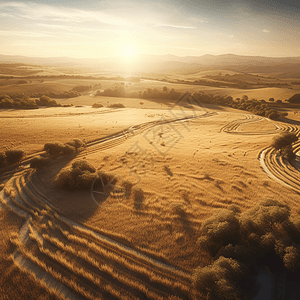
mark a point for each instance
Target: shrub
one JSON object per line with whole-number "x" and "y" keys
{"x": 219, "y": 230}
{"x": 65, "y": 179}
{"x": 46, "y": 101}
{"x": 54, "y": 149}
{"x": 39, "y": 162}
{"x": 220, "y": 280}
{"x": 97, "y": 105}
{"x": 22, "y": 81}
{"x": 274, "y": 115}
{"x": 291, "y": 258}
{"x": 237, "y": 252}
{"x": 284, "y": 140}
{"x": 68, "y": 150}
{"x": 116, "y": 105}
{"x": 14, "y": 156}
{"x": 85, "y": 179}
{"x": 80, "y": 176}
{"x": 263, "y": 217}
{"x": 77, "y": 144}
{"x": 83, "y": 165}
{"x": 82, "y": 88}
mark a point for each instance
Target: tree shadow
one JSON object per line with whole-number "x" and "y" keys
{"x": 289, "y": 121}
{"x": 138, "y": 198}
{"x": 183, "y": 220}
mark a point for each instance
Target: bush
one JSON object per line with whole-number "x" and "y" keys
{"x": 68, "y": 150}
{"x": 219, "y": 230}
{"x": 39, "y": 162}
{"x": 85, "y": 179}
{"x": 22, "y": 81}
{"x": 46, "y": 101}
{"x": 77, "y": 144}
{"x": 220, "y": 280}
{"x": 80, "y": 176}
{"x": 82, "y": 88}
{"x": 97, "y": 105}
{"x": 284, "y": 140}
{"x": 83, "y": 165}
{"x": 116, "y": 105}
{"x": 291, "y": 258}
{"x": 14, "y": 156}
{"x": 237, "y": 252}
{"x": 54, "y": 149}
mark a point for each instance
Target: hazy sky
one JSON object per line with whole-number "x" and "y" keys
{"x": 180, "y": 27}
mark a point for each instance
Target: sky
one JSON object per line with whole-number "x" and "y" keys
{"x": 92, "y": 29}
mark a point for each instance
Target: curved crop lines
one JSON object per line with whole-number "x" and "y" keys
{"x": 233, "y": 127}
{"x": 78, "y": 263}
{"x": 271, "y": 161}
{"x": 279, "y": 168}
{"x": 120, "y": 137}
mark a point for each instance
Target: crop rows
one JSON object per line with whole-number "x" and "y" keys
{"x": 84, "y": 262}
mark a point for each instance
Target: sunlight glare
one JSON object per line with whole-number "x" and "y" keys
{"x": 129, "y": 50}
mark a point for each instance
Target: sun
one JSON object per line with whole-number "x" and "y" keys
{"x": 129, "y": 50}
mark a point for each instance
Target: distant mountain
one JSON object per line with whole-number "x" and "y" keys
{"x": 171, "y": 64}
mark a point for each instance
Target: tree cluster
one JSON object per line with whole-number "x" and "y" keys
{"x": 56, "y": 149}
{"x": 237, "y": 241}
{"x": 120, "y": 91}
{"x": 11, "y": 157}
{"x": 17, "y": 101}
{"x": 82, "y": 88}
{"x": 256, "y": 107}
{"x": 62, "y": 95}
{"x": 22, "y": 101}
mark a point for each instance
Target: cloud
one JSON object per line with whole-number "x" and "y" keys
{"x": 175, "y": 26}
{"x": 266, "y": 31}
{"x": 38, "y": 12}
{"x": 23, "y": 33}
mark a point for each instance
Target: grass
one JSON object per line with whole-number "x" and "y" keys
{"x": 14, "y": 282}
{"x": 71, "y": 254}
{"x": 158, "y": 230}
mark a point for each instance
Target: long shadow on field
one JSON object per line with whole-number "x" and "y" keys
{"x": 74, "y": 204}
{"x": 184, "y": 221}
{"x": 289, "y": 121}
